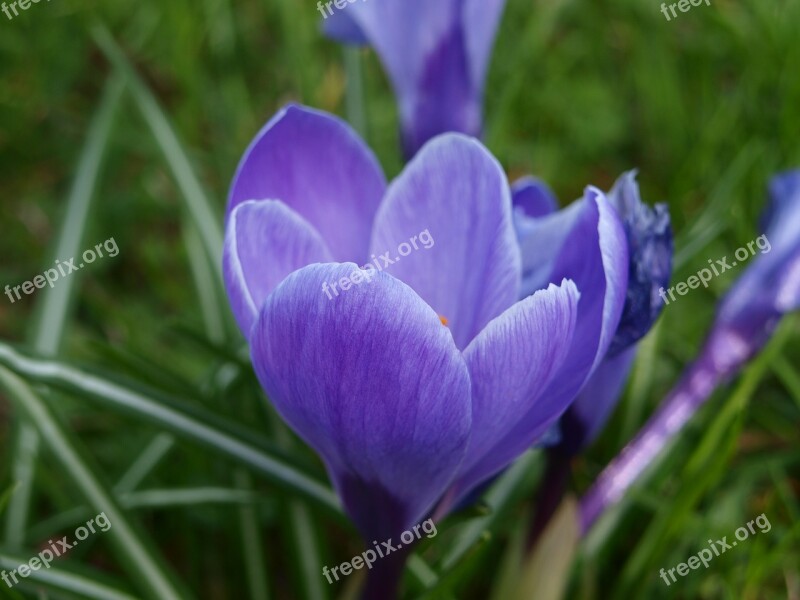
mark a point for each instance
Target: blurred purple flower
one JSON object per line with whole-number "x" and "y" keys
{"x": 436, "y": 54}
{"x": 746, "y": 319}
{"x": 402, "y": 409}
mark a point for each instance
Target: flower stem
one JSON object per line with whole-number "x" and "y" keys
{"x": 383, "y": 580}
{"x": 684, "y": 400}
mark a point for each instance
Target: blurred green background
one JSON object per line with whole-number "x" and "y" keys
{"x": 706, "y": 106}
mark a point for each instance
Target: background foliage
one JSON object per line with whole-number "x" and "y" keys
{"x": 706, "y": 106}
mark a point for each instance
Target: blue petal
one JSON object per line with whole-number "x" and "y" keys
{"x": 374, "y": 383}
{"x": 264, "y": 242}
{"x": 457, "y": 192}
{"x": 341, "y": 27}
{"x": 595, "y": 257}
{"x": 650, "y": 248}
{"x": 443, "y": 99}
{"x": 317, "y": 165}
{"x": 481, "y": 19}
{"x": 769, "y": 288}
{"x": 511, "y": 364}
{"x": 436, "y": 55}
{"x": 586, "y": 243}
{"x": 540, "y": 242}
{"x": 533, "y": 197}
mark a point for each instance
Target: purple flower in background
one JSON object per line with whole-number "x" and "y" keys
{"x": 436, "y": 54}
{"x": 430, "y": 376}
{"x": 746, "y": 319}
{"x": 542, "y": 231}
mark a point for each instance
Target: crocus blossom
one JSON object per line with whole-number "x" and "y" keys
{"x": 746, "y": 318}
{"x": 436, "y": 54}
{"x": 429, "y": 376}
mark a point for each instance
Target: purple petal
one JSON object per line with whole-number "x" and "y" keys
{"x": 436, "y": 55}
{"x": 650, "y": 248}
{"x": 374, "y": 383}
{"x": 533, "y": 197}
{"x": 511, "y": 362}
{"x": 540, "y": 243}
{"x": 481, "y": 19}
{"x": 444, "y": 98}
{"x": 455, "y": 190}
{"x": 264, "y": 242}
{"x": 405, "y": 33}
{"x": 769, "y": 288}
{"x": 341, "y": 26}
{"x": 317, "y": 165}
{"x": 595, "y": 257}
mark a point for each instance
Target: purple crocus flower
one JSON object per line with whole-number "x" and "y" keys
{"x": 436, "y": 54}
{"x": 421, "y": 378}
{"x": 542, "y": 230}
{"x": 746, "y": 319}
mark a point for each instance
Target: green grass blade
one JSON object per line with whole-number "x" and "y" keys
{"x": 308, "y": 561}
{"x": 156, "y": 450}
{"x": 149, "y": 499}
{"x": 112, "y": 395}
{"x": 143, "y": 563}
{"x": 208, "y": 293}
{"x": 496, "y": 498}
{"x": 51, "y": 312}
{"x": 354, "y": 91}
{"x": 25, "y": 454}
{"x": 252, "y": 548}
{"x": 57, "y": 579}
{"x": 203, "y": 213}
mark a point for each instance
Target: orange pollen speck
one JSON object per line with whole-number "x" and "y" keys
{"x": 443, "y": 320}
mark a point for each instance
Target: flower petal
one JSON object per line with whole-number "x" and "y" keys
{"x": 405, "y": 33}
{"x": 319, "y": 167}
{"x": 458, "y": 192}
{"x": 533, "y": 197}
{"x": 481, "y": 19}
{"x": 769, "y": 288}
{"x": 264, "y": 242}
{"x": 444, "y": 98}
{"x": 650, "y": 247}
{"x": 436, "y": 55}
{"x": 373, "y": 382}
{"x": 341, "y": 26}
{"x": 540, "y": 243}
{"x": 595, "y": 257}
{"x": 511, "y": 362}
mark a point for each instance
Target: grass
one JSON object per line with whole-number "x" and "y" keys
{"x": 706, "y": 106}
